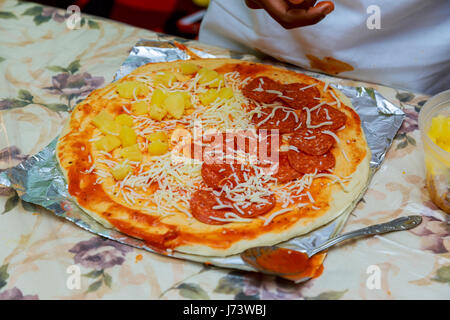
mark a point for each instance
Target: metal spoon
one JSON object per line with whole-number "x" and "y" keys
{"x": 251, "y": 256}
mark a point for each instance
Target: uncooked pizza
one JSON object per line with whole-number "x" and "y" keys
{"x": 214, "y": 156}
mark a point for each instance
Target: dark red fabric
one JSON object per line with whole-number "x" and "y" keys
{"x": 155, "y": 5}
{"x": 156, "y": 15}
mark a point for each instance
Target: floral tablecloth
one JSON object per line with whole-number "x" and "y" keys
{"x": 46, "y": 68}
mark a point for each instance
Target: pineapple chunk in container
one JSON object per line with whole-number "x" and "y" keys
{"x": 434, "y": 124}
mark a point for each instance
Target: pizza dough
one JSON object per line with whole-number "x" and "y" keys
{"x": 125, "y": 155}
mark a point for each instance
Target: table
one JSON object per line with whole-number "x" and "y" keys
{"x": 47, "y": 67}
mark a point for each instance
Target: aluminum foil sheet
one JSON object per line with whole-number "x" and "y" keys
{"x": 39, "y": 180}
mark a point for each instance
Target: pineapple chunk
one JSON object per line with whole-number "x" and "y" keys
{"x": 158, "y": 136}
{"x": 128, "y": 89}
{"x": 120, "y": 171}
{"x": 110, "y": 127}
{"x": 101, "y": 117}
{"x": 127, "y": 136}
{"x": 211, "y": 77}
{"x": 124, "y": 120}
{"x": 188, "y": 68}
{"x": 174, "y": 104}
{"x": 165, "y": 78}
{"x": 132, "y": 153}
{"x": 157, "y": 148}
{"x": 140, "y": 108}
{"x": 209, "y": 96}
{"x": 158, "y": 98}
{"x": 157, "y": 113}
{"x": 158, "y": 143}
{"x": 218, "y": 82}
{"x": 439, "y": 132}
{"x": 107, "y": 143}
{"x": 206, "y": 75}
{"x": 226, "y": 93}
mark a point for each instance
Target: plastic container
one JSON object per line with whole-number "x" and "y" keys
{"x": 437, "y": 160}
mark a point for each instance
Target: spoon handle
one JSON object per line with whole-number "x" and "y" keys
{"x": 403, "y": 223}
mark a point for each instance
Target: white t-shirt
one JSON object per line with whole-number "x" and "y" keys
{"x": 410, "y": 50}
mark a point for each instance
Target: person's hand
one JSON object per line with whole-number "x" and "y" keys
{"x": 294, "y": 13}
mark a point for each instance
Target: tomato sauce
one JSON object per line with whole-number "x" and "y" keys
{"x": 293, "y": 264}
{"x": 329, "y": 64}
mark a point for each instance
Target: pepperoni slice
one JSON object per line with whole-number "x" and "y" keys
{"x": 283, "y": 119}
{"x": 284, "y": 172}
{"x": 312, "y": 141}
{"x": 280, "y": 168}
{"x": 325, "y": 114}
{"x": 255, "y": 209}
{"x": 296, "y": 97}
{"x": 306, "y": 163}
{"x": 257, "y": 90}
{"x": 216, "y": 175}
{"x": 202, "y": 207}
